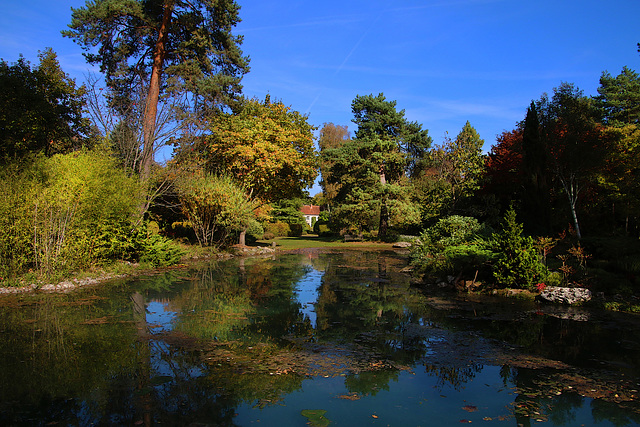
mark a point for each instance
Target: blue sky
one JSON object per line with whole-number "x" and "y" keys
{"x": 443, "y": 61}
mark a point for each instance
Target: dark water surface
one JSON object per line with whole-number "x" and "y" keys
{"x": 277, "y": 341}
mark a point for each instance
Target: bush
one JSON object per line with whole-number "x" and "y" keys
{"x": 278, "y": 229}
{"x": 159, "y": 251}
{"x": 455, "y": 245}
{"x": 322, "y": 229}
{"x": 65, "y": 213}
{"x": 255, "y": 230}
{"x": 268, "y": 236}
{"x": 517, "y": 264}
{"x": 295, "y": 230}
{"x": 215, "y": 206}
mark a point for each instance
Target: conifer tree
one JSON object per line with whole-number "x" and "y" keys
{"x": 535, "y": 199}
{"x": 178, "y": 48}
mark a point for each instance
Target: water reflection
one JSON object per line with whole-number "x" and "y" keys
{"x": 234, "y": 342}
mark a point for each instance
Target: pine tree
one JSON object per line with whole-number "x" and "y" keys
{"x": 178, "y": 48}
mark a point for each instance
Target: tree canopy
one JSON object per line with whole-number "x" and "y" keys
{"x": 619, "y": 97}
{"x": 180, "y": 49}
{"x": 331, "y": 136}
{"x": 370, "y": 166}
{"x": 40, "y": 108}
{"x": 265, "y": 146}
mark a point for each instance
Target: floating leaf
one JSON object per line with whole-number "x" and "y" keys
{"x": 316, "y": 417}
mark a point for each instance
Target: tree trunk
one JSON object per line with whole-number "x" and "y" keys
{"x": 144, "y": 367}
{"x": 572, "y": 191}
{"x": 153, "y": 95}
{"x": 243, "y": 238}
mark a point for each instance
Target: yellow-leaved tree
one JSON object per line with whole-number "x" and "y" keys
{"x": 266, "y": 147}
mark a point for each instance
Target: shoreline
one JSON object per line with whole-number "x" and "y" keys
{"x": 71, "y": 284}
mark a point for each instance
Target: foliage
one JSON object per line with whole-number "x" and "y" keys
{"x": 504, "y": 173}
{"x": 40, "y": 109}
{"x": 159, "y": 251}
{"x": 277, "y": 229}
{"x": 66, "y": 212}
{"x": 619, "y": 181}
{"x": 266, "y": 147}
{"x": 331, "y": 136}
{"x": 619, "y": 98}
{"x": 288, "y": 210}
{"x": 370, "y": 167}
{"x": 574, "y": 266}
{"x": 575, "y": 143}
{"x": 457, "y": 166}
{"x": 454, "y": 245}
{"x": 216, "y": 206}
{"x": 517, "y": 264}
{"x": 180, "y": 49}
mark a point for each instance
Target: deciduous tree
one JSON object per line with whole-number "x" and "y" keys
{"x": 331, "y": 136}
{"x": 267, "y": 147}
{"x": 459, "y": 164}
{"x": 504, "y": 171}
{"x": 215, "y": 205}
{"x": 40, "y": 108}
{"x": 573, "y": 138}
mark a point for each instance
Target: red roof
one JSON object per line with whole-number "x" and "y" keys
{"x": 310, "y": 210}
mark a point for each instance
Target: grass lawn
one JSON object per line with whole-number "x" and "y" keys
{"x": 314, "y": 241}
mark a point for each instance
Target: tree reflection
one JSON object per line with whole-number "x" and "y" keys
{"x": 238, "y": 336}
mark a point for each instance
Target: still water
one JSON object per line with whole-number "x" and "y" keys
{"x": 340, "y": 338}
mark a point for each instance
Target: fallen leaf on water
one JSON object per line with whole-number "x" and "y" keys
{"x": 470, "y": 408}
{"x": 350, "y": 396}
{"x": 374, "y": 416}
{"x": 316, "y": 417}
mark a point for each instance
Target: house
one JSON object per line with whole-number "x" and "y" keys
{"x": 311, "y": 214}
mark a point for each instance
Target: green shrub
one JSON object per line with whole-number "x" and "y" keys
{"x": 454, "y": 245}
{"x": 392, "y": 236}
{"x": 454, "y": 230}
{"x": 215, "y": 206}
{"x": 322, "y": 229}
{"x": 255, "y": 229}
{"x": 65, "y": 213}
{"x": 517, "y": 264}
{"x": 278, "y": 229}
{"x": 158, "y": 251}
{"x": 295, "y": 230}
{"x": 554, "y": 278}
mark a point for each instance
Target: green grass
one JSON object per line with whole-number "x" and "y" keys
{"x": 314, "y": 241}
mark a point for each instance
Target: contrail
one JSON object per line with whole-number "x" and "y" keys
{"x": 346, "y": 59}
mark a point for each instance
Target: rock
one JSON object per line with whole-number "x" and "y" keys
{"x": 516, "y": 293}
{"x": 240, "y": 250}
{"x": 402, "y": 245}
{"x": 565, "y": 295}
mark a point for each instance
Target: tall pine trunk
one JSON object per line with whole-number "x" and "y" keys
{"x": 153, "y": 95}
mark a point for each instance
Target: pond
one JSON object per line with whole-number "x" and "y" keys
{"x": 315, "y": 337}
